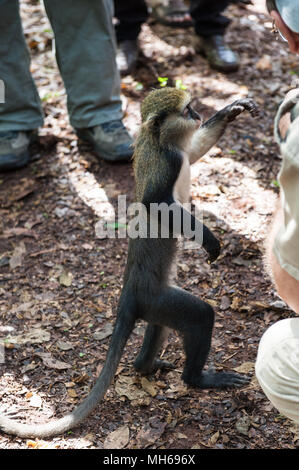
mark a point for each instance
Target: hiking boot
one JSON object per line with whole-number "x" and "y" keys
{"x": 126, "y": 56}
{"x": 14, "y": 146}
{"x": 218, "y": 54}
{"x": 111, "y": 141}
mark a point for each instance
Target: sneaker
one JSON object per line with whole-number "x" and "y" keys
{"x": 111, "y": 141}
{"x": 218, "y": 54}
{"x": 14, "y": 152}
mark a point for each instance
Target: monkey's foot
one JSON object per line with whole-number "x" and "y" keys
{"x": 148, "y": 369}
{"x": 237, "y": 107}
{"x": 209, "y": 379}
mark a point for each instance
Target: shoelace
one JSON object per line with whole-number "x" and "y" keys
{"x": 113, "y": 127}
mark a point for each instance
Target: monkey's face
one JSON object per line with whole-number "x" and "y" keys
{"x": 168, "y": 115}
{"x": 178, "y": 127}
{"x": 190, "y": 114}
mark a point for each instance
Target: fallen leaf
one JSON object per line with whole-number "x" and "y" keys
{"x": 35, "y": 401}
{"x": 52, "y": 363}
{"x": 225, "y": 303}
{"x": 66, "y": 278}
{"x": 213, "y": 439}
{"x": 245, "y": 367}
{"x": 242, "y": 425}
{"x": 117, "y": 439}
{"x": 103, "y": 332}
{"x": 125, "y": 386}
{"x": 64, "y": 345}
{"x": 36, "y": 335}
{"x": 150, "y": 432}
{"x": 17, "y": 256}
{"x": 235, "y": 303}
{"x": 265, "y": 63}
{"x": 32, "y": 444}
{"x": 148, "y": 387}
{"x": 18, "y": 231}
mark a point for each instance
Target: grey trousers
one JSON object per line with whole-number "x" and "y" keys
{"x": 85, "y": 53}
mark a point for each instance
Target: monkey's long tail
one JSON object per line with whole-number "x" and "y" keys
{"x": 119, "y": 339}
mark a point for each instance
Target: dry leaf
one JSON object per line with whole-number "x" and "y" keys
{"x": 117, "y": 439}
{"x": 103, "y": 332}
{"x": 64, "y": 345}
{"x": 52, "y": 363}
{"x": 235, "y": 303}
{"x": 65, "y": 279}
{"x": 242, "y": 425}
{"x": 18, "y": 231}
{"x": 17, "y": 256}
{"x": 264, "y": 63}
{"x": 225, "y": 303}
{"x": 125, "y": 386}
{"x": 150, "y": 432}
{"x": 148, "y": 387}
{"x": 35, "y": 336}
{"x": 32, "y": 444}
{"x": 213, "y": 439}
{"x": 245, "y": 367}
{"x": 35, "y": 401}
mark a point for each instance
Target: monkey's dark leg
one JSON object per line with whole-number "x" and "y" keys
{"x": 146, "y": 362}
{"x": 194, "y": 319}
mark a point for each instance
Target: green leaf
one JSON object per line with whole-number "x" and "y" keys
{"x": 179, "y": 84}
{"x": 275, "y": 183}
{"x": 163, "y": 81}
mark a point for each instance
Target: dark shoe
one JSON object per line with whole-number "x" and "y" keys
{"x": 111, "y": 141}
{"x": 126, "y": 56}
{"x": 14, "y": 146}
{"x": 218, "y": 54}
{"x": 175, "y": 14}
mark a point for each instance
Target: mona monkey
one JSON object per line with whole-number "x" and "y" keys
{"x": 170, "y": 140}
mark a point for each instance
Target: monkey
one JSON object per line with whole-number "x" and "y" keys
{"x": 171, "y": 138}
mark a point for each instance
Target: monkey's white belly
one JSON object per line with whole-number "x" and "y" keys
{"x": 181, "y": 188}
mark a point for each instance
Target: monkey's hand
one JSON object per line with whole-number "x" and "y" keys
{"x": 212, "y": 247}
{"x": 237, "y": 107}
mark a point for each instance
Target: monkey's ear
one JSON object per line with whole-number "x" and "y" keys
{"x": 151, "y": 122}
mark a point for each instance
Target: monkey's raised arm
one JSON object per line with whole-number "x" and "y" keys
{"x": 209, "y": 133}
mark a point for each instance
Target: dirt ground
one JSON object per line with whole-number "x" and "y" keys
{"x": 59, "y": 283}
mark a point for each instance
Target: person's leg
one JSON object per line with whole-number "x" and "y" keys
{"x": 21, "y": 111}
{"x": 208, "y": 18}
{"x": 85, "y": 52}
{"x": 130, "y": 16}
{"x": 277, "y": 366}
{"x": 210, "y": 25}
